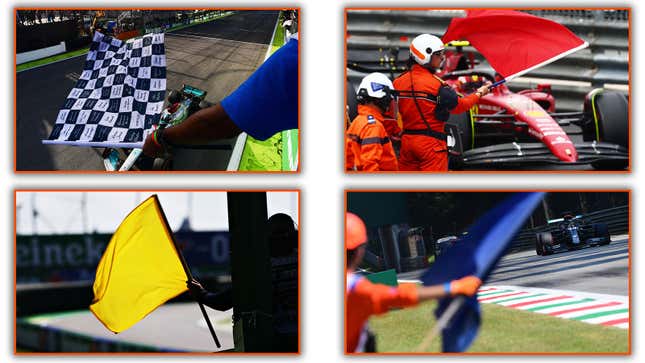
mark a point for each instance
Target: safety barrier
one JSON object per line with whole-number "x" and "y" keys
{"x": 71, "y": 43}
{"x": 168, "y": 25}
{"x": 371, "y": 33}
{"x": 34, "y": 37}
{"x": 40, "y": 53}
{"x": 617, "y": 220}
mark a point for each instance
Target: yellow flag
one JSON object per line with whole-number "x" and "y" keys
{"x": 139, "y": 271}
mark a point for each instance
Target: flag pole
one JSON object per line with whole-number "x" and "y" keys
{"x": 210, "y": 326}
{"x": 442, "y": 322}
{"x": 187, "y": 270}
{"x": 541, "y": 64}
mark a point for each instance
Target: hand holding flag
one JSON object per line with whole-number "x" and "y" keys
{"x": 467, "y": 286}
{"x": 475, "y": 256}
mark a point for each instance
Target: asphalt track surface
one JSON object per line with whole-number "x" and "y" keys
{"x": 175, "y": 327}
{"x": 216, "y": 56}
{"x": 599, "y": 270}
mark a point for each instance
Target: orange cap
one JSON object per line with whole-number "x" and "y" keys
{"x": 355, "y": 231}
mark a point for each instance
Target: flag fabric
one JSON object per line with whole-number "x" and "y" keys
{"x": 477, "y": 253}
{"x": 118, "y": 96}
{"x": 139, "y": 271}
{"x": 514, "y": 42}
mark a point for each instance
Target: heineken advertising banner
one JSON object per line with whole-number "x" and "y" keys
{"x": 66, "y": 258}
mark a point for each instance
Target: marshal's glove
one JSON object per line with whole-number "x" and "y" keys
{"x": 464, "y": 286}
{"x": 197, "y": 291}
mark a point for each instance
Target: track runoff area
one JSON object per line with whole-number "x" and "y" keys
{"x": 174, "y": 327}
{"x": 215, "y": 56}
{"x": 590, "y": 285}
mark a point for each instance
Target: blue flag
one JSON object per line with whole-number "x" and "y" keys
{"x": 476, "y": 254}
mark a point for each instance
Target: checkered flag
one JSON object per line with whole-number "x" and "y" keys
{"x": 118, "y": 97}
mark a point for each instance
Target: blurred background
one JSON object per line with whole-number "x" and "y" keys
{"x": 379, "y": 41}
{"x": 412, "y": 231}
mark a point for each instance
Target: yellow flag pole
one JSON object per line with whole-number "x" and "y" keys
{"x": 187, "y": 270}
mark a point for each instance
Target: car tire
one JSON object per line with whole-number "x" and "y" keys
{"x": 174, "y": 96}
{"x": 602, "y": 230}
{"x": 464, "y": 128}
{"x": 463, "y": 122}
{"x": 162, "y": 164}
{"x": 542, "y": 240}
{"x": 612, "y": 112}
{"x": 352, "y": 103}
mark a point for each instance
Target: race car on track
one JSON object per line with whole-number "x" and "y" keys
{"x": 506, "y": 129}
{"x": 181, "y": 104}
{"x": 571, "y": 233}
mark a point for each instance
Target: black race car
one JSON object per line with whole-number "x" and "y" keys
{"x": 572, "y": 233}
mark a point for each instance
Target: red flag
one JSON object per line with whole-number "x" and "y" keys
{"x": 513, "y": 42}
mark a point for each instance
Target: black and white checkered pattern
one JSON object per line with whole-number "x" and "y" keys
{"x": 119, "y": 95}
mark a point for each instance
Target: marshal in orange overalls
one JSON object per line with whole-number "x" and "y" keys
{"x": 365, "y": 299}
{"x": 423, "y": 152}
{"x": 367, "y": 145}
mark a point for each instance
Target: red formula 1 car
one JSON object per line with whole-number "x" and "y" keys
{"x": 508, "y": 129}
{"x": 504, "y": 127}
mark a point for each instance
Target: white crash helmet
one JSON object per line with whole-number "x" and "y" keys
{"x": 423, "y": 46}
{"x": 375, "y": 85}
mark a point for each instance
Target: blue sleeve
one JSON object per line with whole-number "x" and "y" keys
{"x": 267, "y": 102}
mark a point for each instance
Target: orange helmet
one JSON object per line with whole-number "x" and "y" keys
{"x": 355, "y": 231}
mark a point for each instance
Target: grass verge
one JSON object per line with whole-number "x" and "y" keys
{"x": 278, "y": 39}
{"x": 52, "y": 59}
{"x": 502, "y": 330}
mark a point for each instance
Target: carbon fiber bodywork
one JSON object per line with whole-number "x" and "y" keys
{"x": 572, "y": 235}
{"x": 510, "y": 154}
